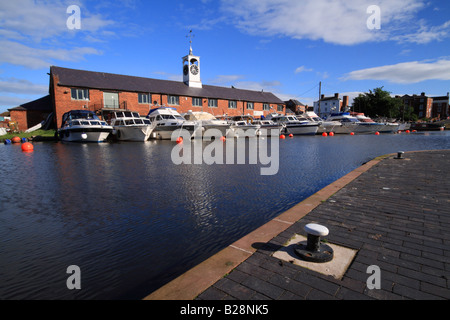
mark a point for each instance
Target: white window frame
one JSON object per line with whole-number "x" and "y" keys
{"x": 173, "y": 100}
{"x": 80, "y": 94}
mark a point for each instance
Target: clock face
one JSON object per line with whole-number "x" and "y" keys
{"x": 185, "y": 70}
{"x": 194, "y": 69}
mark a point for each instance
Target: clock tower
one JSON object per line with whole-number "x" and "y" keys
{"x": 191, "y": 68}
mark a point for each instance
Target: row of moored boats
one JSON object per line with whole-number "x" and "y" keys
{"x": 161, "y": 122}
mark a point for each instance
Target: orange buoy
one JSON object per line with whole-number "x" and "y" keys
{"x": 179, "y": 140}
{"x": 331, "y": 134}
{"x": 282, "y": 136}
{"x": 352, "y": 133}
{"x": 377, "y": 133}
{"x": 407, "y": 131}
{"x": 414, "y": 131}
{"x": 222, "y": 138}
{"x": 16, "y": 140}
{"x": 324, "y": 134}
{"x": 291, "y": 135}
{"x": 27, "y": 147}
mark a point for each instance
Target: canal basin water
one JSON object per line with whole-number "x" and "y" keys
{"x": 132, "y": 220}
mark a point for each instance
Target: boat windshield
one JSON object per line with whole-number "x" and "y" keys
{"x": 349, "y": 120}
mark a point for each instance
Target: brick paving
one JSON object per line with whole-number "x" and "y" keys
{"x": 396, "y": 215}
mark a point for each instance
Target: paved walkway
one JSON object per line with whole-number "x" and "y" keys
{"x": 394, "y": 213}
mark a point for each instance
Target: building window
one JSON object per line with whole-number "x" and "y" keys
{"x": 212, "y": 103}
{"x": 232, "y": 104}
{"x": 79, "y": 94}
{"x": 266, "y": 107}
{"x": 250, "y": 106}
{"x": 144, "y": 98}
{"x": 196, "y": 102}
{"x": 173, "y": 100}
{"x": 280, "y": 108}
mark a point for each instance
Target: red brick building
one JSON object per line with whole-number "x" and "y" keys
{"x": 72, "y": 89}
{"x": 422, "y": 105}
{"x": 105, "y": 92}
{"x": 440, "y": 108}
{"x": 31, "y": 113}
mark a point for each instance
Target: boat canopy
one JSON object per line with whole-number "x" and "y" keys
{"x": 197, "y": 116}
{"x": 161, "y": 108}
{"x": 79, "y": 114}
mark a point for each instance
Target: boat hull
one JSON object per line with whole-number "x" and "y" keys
{"x": 84, "y": 135}
{"x": 243, "y": 131}
{"x": 133, "y": 133}
{"x": 301, "y": 129}
{"x": 389, "y": 128}
{"x": 207, "y": 133}
{"x": 164, "y": 132}
{"x": 427, "y": 127}
{"x": 328, "y": 127}
{"x": 267, "y": 131}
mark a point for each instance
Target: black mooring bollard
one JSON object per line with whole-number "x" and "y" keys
{"x": 399, "y": 155}
{"x": 314, "y": 251}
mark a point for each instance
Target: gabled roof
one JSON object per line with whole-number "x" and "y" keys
{"x": 295, "y": 102}
{"x": 108, "y": 81}
{"x": 330, "y": 98}
{"x": 41, "y": 104}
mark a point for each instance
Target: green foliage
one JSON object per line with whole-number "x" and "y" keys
{"x": 42, "y": 133}
{"x": 379, "y": 103}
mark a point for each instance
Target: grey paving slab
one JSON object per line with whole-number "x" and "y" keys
{"x": 395, "y": 215}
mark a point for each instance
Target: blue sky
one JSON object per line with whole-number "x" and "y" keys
{"x": 283, "y": 46}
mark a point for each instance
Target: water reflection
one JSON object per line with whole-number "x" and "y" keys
{"x": 132, "y": 220}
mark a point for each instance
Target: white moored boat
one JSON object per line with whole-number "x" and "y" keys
{"x": 83, "y": 126}
{"x": 129, "y": 126}
{"x": 207, "y": 121}
{"x": 243, "y": 126}
{"x": 292, "y": 125}
{"x": 352, "y": 124}
{"x": 324, "y": 125}
{"x": 268, "y": 127}
{"x": 167, "y": 120}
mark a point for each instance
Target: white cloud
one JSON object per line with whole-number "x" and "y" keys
{"x": 19, "y": 86}
{"x": 302, "y": 69}
{"x": 35, "y": 33}
{"x": 34, "y": 58}
{"x": 225, "y": 79}
{"x": 341, "y": 22}
{"x": 405, "y": 72}
{"x": 36, "y": 20}
{"x": 426, "y": 34}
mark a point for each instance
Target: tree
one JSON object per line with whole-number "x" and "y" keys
{"x": 378, "y": 103}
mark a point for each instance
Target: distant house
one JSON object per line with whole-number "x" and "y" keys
{"x": 31, "y": 113}
{"x": 327, "y": 105}
{"x": 295, "y": 106}
{"x": 440, "y": 107}
{"x": 422, "y": 105}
